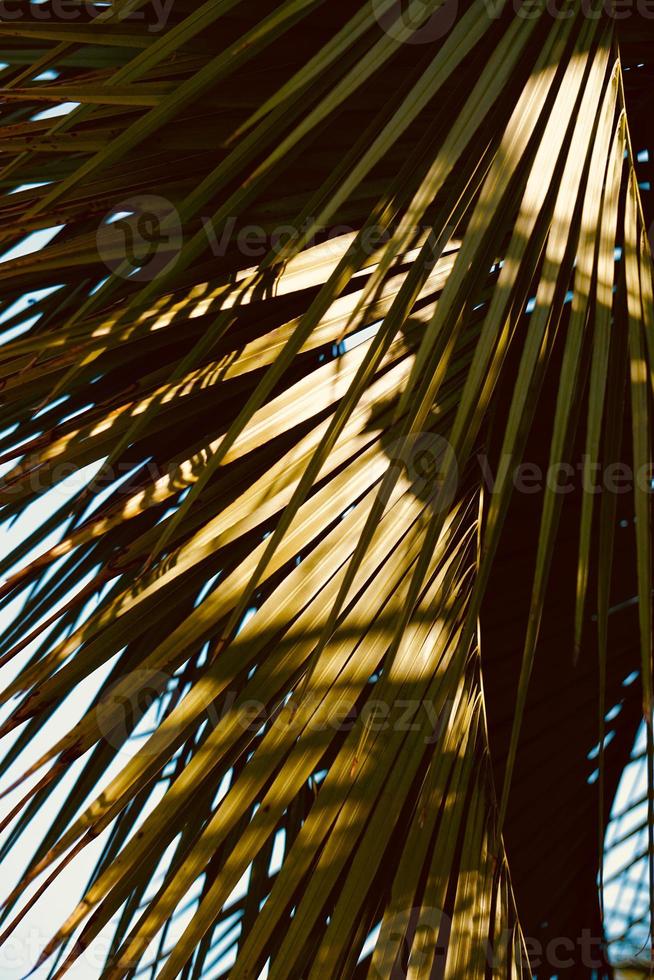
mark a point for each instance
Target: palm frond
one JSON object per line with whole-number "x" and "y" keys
{"x": 306, "y": 266}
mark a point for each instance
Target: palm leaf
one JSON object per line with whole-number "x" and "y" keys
{"x": 308, "y": 265}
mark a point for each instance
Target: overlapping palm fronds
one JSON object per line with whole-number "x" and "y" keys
{"x": 308, "y": 263}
